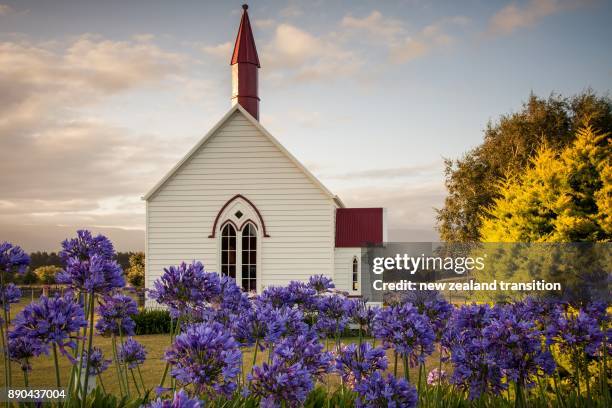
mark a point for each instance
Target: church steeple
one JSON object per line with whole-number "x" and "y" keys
{"x": 245, "y": 65}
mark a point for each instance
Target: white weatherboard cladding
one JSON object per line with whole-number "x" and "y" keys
{"x": 343, "y": 268}
{"x": 238, "y": 158}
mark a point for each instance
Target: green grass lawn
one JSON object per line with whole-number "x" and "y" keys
{"x": 43, "y": 369}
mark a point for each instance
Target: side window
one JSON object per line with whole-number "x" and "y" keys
{"x": 355, "y": 274}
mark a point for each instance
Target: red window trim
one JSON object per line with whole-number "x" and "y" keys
{"x": 234, "y": 198}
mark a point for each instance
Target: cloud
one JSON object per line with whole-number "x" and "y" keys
{"x": 375, "y": 24}
{"x": 60, "y": 166}
{"x": 221, "y": 51}
{"x": 295, "y": 54}
{"x": 291, "y": 11}
{"x": 5, "y": 9}
{"x": 402, "y": 44}
{"x": 265, "y": 23}
{"x": 514, "y": 16}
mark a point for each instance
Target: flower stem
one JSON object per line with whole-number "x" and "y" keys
{"x": 117, "y": 368}
{"x": 58, "y": 380}
{"x": 135, "y": 382}
{"x": 89, "y": 346}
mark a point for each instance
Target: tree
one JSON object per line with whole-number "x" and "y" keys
{"x": 555, "y": 216}
{"x": 561, "y": 198}
{"x": 136, "y": 270}
{"x": 473, "y": 182}
{"x": 46, "y": 274}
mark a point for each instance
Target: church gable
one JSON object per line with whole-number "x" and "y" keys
{"x": 235, "y": 154}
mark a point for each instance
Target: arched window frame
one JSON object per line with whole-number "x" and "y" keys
{"x": 355, "y": 275}
{"x": 229, "y": 249}
{"x": 240, "y": 255}
{"x": 249, "y": 250}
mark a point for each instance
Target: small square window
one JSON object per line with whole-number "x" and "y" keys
{"x": 238, "y": 214}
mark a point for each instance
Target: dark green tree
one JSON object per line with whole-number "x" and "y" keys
{"x": 509, "y": 144}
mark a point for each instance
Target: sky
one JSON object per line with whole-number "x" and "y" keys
{"x": 98, "y": 100}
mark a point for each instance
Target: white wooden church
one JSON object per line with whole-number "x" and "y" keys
{"x": 244, "y": 206}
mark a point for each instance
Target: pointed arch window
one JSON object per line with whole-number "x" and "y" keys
{"x": 228, "y": 250}
{"x": 249, "y": 257}
{"x": 355, "y": 274}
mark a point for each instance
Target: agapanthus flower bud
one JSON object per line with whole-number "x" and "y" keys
{"x": 132, "y": 353}
{"x": 97, "y": 363}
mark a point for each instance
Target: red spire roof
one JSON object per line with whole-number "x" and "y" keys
{"x": 244, "y": 49}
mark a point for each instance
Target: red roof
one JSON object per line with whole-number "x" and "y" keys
{"x": 358, "y": 227}
{"x": 244, "y": 48}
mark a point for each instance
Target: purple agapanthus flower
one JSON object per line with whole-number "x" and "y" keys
{"x": 132, "y": 353}
{"x": 280, "y": 384}
{"x": 378, "y": 391}
{"x": 97, "y": 363}
{"x": 356, "y": 363}
{"x": 320, "y": 283}
{"x": 406, "y": 330}
{"x": 85, "y": 245}
{"x": 333, "y": 314}
{"x": 116, "y": 316}
{"x": 580, "y": 332}
{"x": 302, "y": 295}
{"x": 9, "y": 294}
{"x": 432, "y": 304}
{"x": 276, "y": 296}
{"x": 51, "y": 320}
{"x": 307, "y": 350}
{"x": 89, "y": 264}
{"x": 179, "y": 400}
{"x": 516, "y": 346}
{"x": 186, "y": 289}
{"x": 362, "y": 315}
{"x": 95, "y": 275}
{"x": 12, "y": 257}
{"x": 22, "y": 349}
{"x": 285, "y": 322}
{"x": 230, "y": 302}
{"x": 207, "y": 356}
{"x": 474, "y": 355}
{"x": 251, "y": 327}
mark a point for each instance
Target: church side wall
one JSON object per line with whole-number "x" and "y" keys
{"x": 239, "y": 159}
{"x": 343, "y": 268}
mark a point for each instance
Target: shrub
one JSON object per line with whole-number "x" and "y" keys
{"x": 135, "y": 273}
{"x": 46, "y": 274}
{"x": 152, "y": 321}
